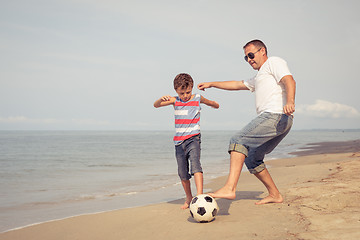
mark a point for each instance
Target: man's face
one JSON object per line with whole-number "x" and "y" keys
{"x": 259, "y": 56}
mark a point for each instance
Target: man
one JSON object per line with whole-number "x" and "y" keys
{"x": 274, "y": 89}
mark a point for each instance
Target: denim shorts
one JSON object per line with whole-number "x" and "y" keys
{"x": 260, "y": 137}
{"x": 188, "y": 156}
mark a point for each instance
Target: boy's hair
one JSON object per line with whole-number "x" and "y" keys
{"x": 183, "y": 81}
{"x": 257, "y": 43}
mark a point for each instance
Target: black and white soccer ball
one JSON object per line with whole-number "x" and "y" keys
{"x": 203, "y": 208}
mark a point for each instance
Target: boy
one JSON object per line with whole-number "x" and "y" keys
{"x": 187, "y": 138}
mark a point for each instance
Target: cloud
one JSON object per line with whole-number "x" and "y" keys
{"x": 22, "y": 119}
{"x": 326, "y": 109}
{"x": 90, "y": 122}
{"x": 101, "y": 60}
{"x": 25, "y": 28}
{"x": 52, "y": 121}
{"x": 202, "y": 20}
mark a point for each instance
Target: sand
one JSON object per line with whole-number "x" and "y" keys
{"x": 322, "y": 201}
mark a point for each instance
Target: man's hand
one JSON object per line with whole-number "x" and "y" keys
{"x": 203, "y": 86}
{"x": 289, "y": 109}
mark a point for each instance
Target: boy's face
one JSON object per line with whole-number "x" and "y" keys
{"x": 184, "y": 94}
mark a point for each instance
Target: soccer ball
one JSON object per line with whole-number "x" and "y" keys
{"x": 203, "y": 208}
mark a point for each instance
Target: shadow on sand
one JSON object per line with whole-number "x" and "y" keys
{"x": 224, "y": 204}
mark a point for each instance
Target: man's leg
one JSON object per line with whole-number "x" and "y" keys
{"x": 229, "y": 190}
{"x": 274, "y": 194}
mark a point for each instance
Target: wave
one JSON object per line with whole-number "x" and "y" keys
{"x": 110, "y": 165}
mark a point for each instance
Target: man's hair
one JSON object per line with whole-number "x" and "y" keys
{"x": 183, "y": 81}
{"x": 257, "y": 43}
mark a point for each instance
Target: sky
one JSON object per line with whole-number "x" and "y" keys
{"x": 100, "y": 65}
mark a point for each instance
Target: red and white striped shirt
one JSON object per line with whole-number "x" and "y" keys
{"x": 187, "y": 118}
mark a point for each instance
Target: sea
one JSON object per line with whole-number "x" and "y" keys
{"x": 50, "y": 175}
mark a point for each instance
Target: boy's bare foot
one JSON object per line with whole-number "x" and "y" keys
{"x": 224, "y": 193}
{"x": 270, "y": 199}
{"x": 186, "y": 204}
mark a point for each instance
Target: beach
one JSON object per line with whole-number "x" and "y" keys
{"x": 322, "y": 201}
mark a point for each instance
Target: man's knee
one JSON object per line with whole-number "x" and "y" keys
{"x": 257, "y": 169}
{"x": 240, "y": 148}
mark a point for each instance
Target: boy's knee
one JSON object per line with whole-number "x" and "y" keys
{"x": 184, "y": 176}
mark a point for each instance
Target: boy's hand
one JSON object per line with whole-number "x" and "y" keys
{"x": 164, "y": 101}
{"x": 210, "y": 103}
{"x": 215, "y": 105}
{"x": 165, "y": 98}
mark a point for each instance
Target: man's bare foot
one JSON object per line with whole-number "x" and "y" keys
{"x": 270, "y": 199}
{"x": 224, "y": 193}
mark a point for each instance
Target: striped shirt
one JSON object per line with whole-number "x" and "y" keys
{"x": 187, "y": 119}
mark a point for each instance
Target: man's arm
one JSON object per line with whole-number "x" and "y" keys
{"x": 290, "y": 88}
{"x": 210, "y": 103}
{"x": 164, "y": 101}
{"x": 226, "y": 85}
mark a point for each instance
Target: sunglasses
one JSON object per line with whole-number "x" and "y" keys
{"x": 251, "y": 55}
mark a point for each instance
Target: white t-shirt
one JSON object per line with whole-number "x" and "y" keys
{"x": 270, "y": 95}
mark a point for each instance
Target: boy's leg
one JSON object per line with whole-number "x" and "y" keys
{"x": 274, "y": 194}
{"x": 229, "y": 190}
{"x": 187, "y": 188}
{"x": 194, "y": 152}
{"x": 183, "y": 172}
{"x": 199, "y": 182}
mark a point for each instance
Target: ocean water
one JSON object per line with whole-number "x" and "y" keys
{"x": 48, "y": 175}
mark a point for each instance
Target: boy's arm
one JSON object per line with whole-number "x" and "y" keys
{"x": 226, "y": 85}
{"x": 210, "y": 103}
{"x": 164, "y": 101}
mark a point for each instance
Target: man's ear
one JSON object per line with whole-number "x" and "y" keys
{"x": 263, "y": 52}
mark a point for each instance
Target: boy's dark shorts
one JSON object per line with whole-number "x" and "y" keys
{"x": 188, "y": 157}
